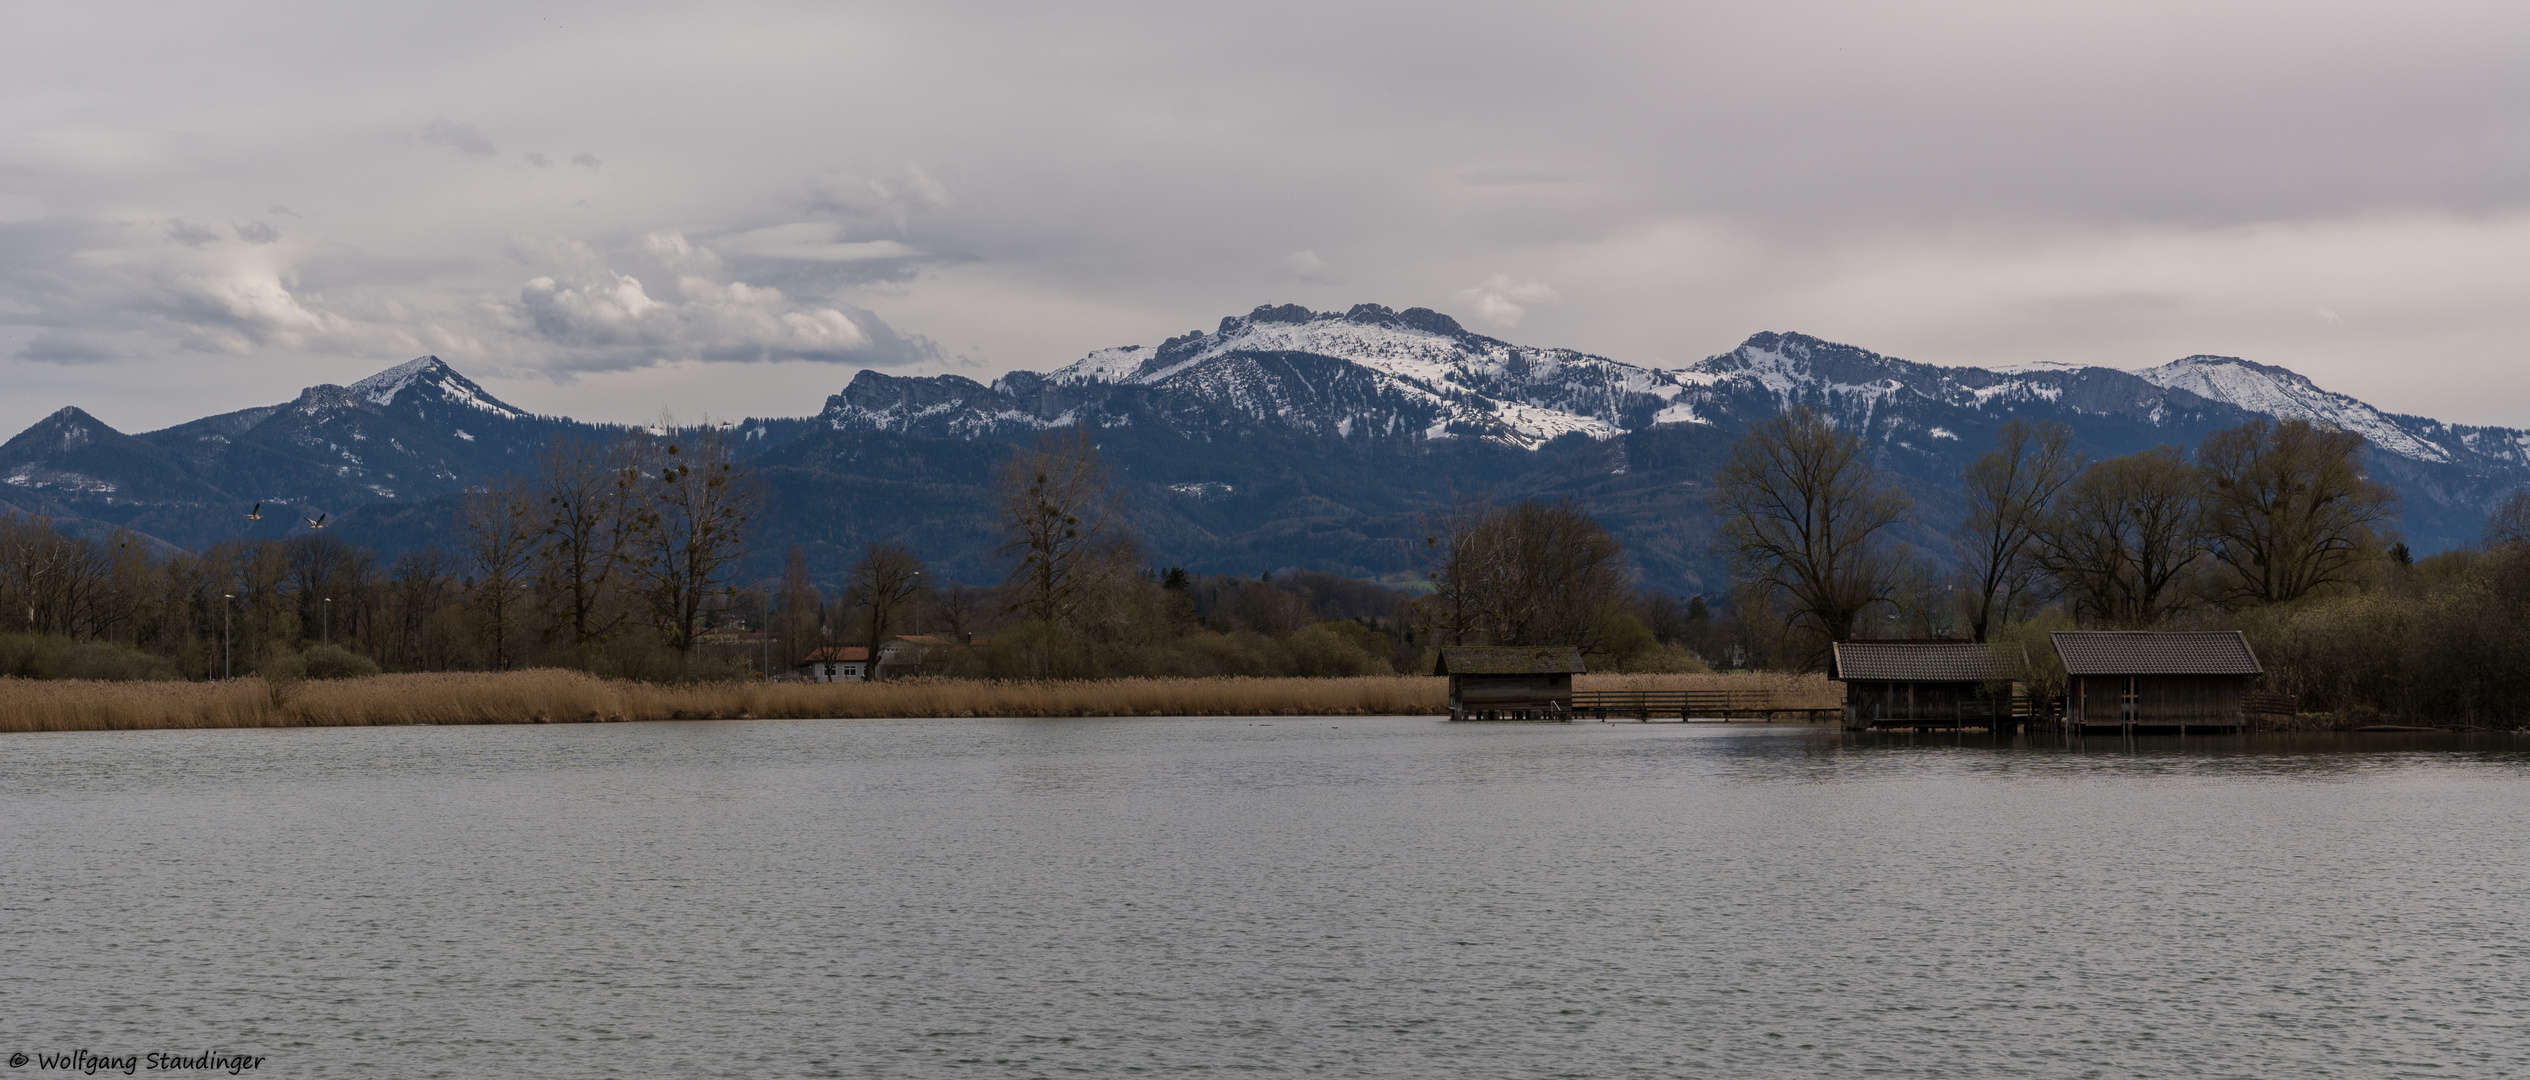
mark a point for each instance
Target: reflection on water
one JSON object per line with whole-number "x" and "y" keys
{"x": 1349, "y": 897}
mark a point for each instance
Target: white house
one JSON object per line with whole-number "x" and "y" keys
{"x": 836, "y": 663}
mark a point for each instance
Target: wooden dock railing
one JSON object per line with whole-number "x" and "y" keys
{"x": 1648, "y": 705}
{"x": 2264, "y": 703}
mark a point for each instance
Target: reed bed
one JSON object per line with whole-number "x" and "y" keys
{"x": 563, "y": 697}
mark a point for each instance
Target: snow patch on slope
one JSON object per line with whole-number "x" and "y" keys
{"x": 2276, "y": 392}
{"x": 1498, "y": 391}
{"x": 1104, "y": 366}
{"x": 380, "y": 389}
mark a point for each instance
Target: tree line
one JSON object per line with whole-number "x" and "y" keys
{"x": 613, "y": 554}
{"x": 2272, "y": 527}
{"x": 622, "y": 556}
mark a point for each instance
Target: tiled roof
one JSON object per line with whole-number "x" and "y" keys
{"x": 1510, "y": 660}
{"x": 2197, "y": 652}
{"x": 1888, "y": 661}
{"x": 838, "y": 654}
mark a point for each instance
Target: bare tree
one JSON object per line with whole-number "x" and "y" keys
{"x": 960, "y": 610}
{"x": 2008, "y": 490}
{"x": 49, "y": 574}
{"x": 886, "y": 587}
{"x": 1062, "y": 526}
{"x": 499, "y": 523}
{"x": 420, "y": 589}
{"x": 2287, "y": 507}
{"x": 1533, "y": 573}
{"x": 2509, "y": 524}
{"x": 799, "y": 615}
{"x": 132, "y": 583}
{"x": 592, "y": 526}
{"x": 266, "y": 610}
{"x": 2124, "y": 537}
{"x": 693, "y": 530}
{"x": 1803, "y": 512}
{"x": 1458, "y": 561}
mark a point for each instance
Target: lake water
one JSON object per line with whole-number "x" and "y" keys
{"x": 1333, "y": 897}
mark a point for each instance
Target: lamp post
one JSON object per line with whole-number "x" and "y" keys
{"x": 328, "y": 623}
{"x": 228, "y": 664}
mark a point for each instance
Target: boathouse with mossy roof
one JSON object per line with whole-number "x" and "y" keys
{"x": 1510, "y": 682}
{"x": 2156, "y": 682}
{"x": 1906, "y": 684}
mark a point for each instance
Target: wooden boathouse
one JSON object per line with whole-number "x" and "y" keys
{"x": 2155, "y": 683}
{"x": 1893, "y": 684}
{"x": 1510, "y": 682}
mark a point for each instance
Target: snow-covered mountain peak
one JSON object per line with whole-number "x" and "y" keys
{"x": 1417, "y": 343}
{"x": 68, "y": 427}
{"x": 1117, "y": 365}
{"x": 1469, "y": 384}
{"x": 1798, "y": 367}
{"x": 430, "y": 373}
{"x": 2284, "y": 394}
{"x": 382, "y": 387}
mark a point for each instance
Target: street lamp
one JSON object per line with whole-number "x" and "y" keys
{"x": 228, "y": 665}
{"x": 328, "y": 624}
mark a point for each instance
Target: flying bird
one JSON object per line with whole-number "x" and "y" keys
{"x": 317, "y": 522}
{"x": 256, "y": 514}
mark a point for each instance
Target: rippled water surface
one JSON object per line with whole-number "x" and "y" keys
{"x": 1337, "y": 897}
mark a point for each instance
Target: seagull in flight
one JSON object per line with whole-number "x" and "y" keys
{"x": 317, "y": 522}
{"x": 256, "y": 514}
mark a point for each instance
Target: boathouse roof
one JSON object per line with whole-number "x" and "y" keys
{"x": 1945, "y": 662}
{"x": 1510, "y": 660}
{"x": 2196, "y": 652}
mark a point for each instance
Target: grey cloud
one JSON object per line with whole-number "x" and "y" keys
{"x": 667, "y": 300}
{"x": 1307, "y": 266}
{"x": 892, "y": 196}
{"x": 811, "y": 241}
{"x": 281, "y": 210}
{"x": 1522, "y": 177}
{"x": 257, "y": 232}
{"x": 190, "y": 235}
{"x": 1949, "y": 181}
{"x": 462, "y": 138}
{"x": 538, "y": 160}
{"x": 1503, "y": 302}
{"x": 69, "y": 347}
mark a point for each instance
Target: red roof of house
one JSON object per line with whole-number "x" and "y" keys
{"x": 839, "y": 654}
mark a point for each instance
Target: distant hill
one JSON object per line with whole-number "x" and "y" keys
{"x": 1282, "y": 438}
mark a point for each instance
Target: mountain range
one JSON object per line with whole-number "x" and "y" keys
{"x": 1282, "y": 438}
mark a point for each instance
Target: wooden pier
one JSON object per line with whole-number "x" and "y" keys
{"x": 1688, "y": 706}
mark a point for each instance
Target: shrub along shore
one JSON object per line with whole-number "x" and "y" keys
{"x": 554, "y": 696}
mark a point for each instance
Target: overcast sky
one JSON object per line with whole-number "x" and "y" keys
{"x": 604, "y": 210}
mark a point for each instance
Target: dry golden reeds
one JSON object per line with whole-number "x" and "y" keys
{"x": 555, "y": 696}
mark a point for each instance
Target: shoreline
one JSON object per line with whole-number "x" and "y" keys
{"x": 555, "y": 696}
